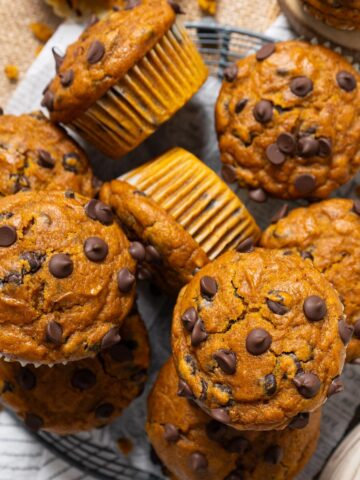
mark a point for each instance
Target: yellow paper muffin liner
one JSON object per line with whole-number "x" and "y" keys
{"x": 197, "y": 199}
{"x": 149, "y": 94}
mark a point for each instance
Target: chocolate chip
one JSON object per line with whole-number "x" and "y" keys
{"x": 48, "y": 100}
{"x": 307, "y": 256}
{"x": 152, "y": 255}
{"x": 189, "y": 318}
{"x": 184, "y": 390}
{"x": 22, "y": 183}
{"x": 258, "y": 195}
{"x": 83, "y": 379}
{"x": 103, "y": 213}
{"x": 276, "y": 307}
{"x": 216, "y": 431}
{"x": 176, "y": 7}
{"x": 270, "y": 384}
{"x": 34, "y": 259}
{"x": 111, "y": 338}
{"x": 198, "y": 334}
{"x": 1, "y": 111}
{"x": 8, "y": 236}
{"x": 281, "y": 213}
{"x": 307, "y": 384}
{"x": 274, "y": 155}
{"x": 105, "y": 410}
{"x": 137, "y": 251}
{"x": 325, "y": 147}
{"x": 357, "y": 329}
{"x": 230, "y": 72}
{"x": 246, "y": 246}
{"x": 228, "y": 173}
{"x": 69, "y": 194}
{"x": 308, "y": 147}
{"x": 67, "y": 78}
{"x": 226, "y": 359}
{"x": 34, "y": 422}
{"x": 95, "y": 53}
{"x": 220, "y": 415}
{"x": 240, "y": 105}
{"x": 300, "y": 420}
{"x": 336, "y": 386}
{"x": 237, "y": 445}
{"x": 263, "y": 111}
{"x": 143, "y": 273}
{"x": 286, "y": 143}
{"x": 70, "y": 162}
{"x": 45, "y": 160}
{"x": 208, "y": 287}
{"x": 58, "y": 57}
{"x": 126, "y": 280}
{"x": 265, "y": 52}
{"x": 26, "y": 379}
{"x": 95, "y": 249}
{"x": 54, "y": 332}
{"x": 90, "y": 209}
{"x": 301, "y": 86}
{"x": 346, "y": 81}
{"x": 92, "y": 21}
{"x": 356, "y": 207}
{"x": 345, "y": 331}
{"x": 198, "y": 462}
{"x": 258, "y": 341}
{"x": 305, "y": 184}
{"x": 171, "y": 433}
{"x": 314, "y": 308}
{"x": 273, "y": 454}
{"x": 61, "y": 265}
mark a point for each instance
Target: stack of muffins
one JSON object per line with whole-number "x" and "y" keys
{"x": 259, "y": 335}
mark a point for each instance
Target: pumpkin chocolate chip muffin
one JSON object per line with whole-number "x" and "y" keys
{"x": 288, "y": 120}
{"x": 37, "y": 155}
{"x": 178, "y": 220}
{"x": 126, "y": 75}
{"x": 67, "y": 278}
{"x": 258, "y": 339}
{"x": 192, "y": 445}
{"x": 344, "y": 14}
{"x": 328, "y": 234}
{"x": 84, "y": 394}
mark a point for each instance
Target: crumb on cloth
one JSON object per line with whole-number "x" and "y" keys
{"x": 12, "y": 72}
{"x": 125, "y": 445}
{"x": 41, "y": 31}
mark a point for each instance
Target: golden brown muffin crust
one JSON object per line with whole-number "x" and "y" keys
{"x": 258, "y": 338}
{"x": 67, "y": 278}
{"x": 288, "y": 120}
{"x": 337, "y": 13}
{"x": 37, "y": 155}
{"x": 81, "y": 395}
{"x": 183, "y": 436}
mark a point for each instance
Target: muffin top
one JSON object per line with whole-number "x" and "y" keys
{"x": 258, "y": 339}
{"x": 337, "y": 13}
{"x": 83, "y": 8}
{"x": 328, "y": 234}
{"x": 37, "y": 155}
{"x": 288, "y": 120}
{"x": 81, "y": 395}
{"x": 192, "y": 445}
{"x": 103, "y": 54}
{"x": 67, "y": 278}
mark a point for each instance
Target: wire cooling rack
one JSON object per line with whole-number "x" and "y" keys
{"x": 220, "y": 46}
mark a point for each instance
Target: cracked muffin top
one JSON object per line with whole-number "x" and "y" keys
{"x": 37, "y": 155}
{"x": 288, "y": 120}
{"x": 104, "y": 53}
{"x": 192, "y": 445}
{"x": 328, "y": 234}
{"x": 259, "y": 339}
{"x": 67, "y": 278}
{"x": 81, "y": 395}
{"x": 344, "y": 14}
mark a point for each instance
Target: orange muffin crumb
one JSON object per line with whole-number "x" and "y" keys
{"x": 12, "y": 72}
{"x": 41, "y": 31}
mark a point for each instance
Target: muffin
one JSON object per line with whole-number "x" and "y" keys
{"x": 67, "y": 278}
{"x": 258, "y": 339}
{"x": 83, "y": 8}
{"x": 343, "y": 14}
{"x": 126, "y": 75}
{"x": 192, "y": 445}
{"x": 84, "y": 394}
{"x": 328, "y": 235}
{"x": 37, "y": 155}
{"x": 178, "y": 220}
{"x": 208, "y": 6}
{"x": 288, "y": 120}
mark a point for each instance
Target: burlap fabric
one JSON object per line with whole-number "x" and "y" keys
{"x": 18, "y": 46}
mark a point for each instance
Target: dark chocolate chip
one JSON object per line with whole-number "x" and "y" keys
{"x": 7, "y": 387}
{"x": 228, "y": 173}
{"x": 281, "y": 213}
{"x": 143, "y": 273}
{"x": 208, "y": 287}
{"x": 58, "y": 57}
{"x": 336, "y": 386}
{"x": 176, "y": 7}
{"x": 265, "y": 52}
{"x": 258, "y": 341}
{"x": 286, "y": 143}
{"x": 263, "y": 111}
{"x": 276, "y": 307}
{"x": 198, "y": 462}
{"x": 308, "y": 147}
{"x": 274, "y": 154}
{"x": 48, "y": 100}
{"x": 325, "y": 147}
{"x": 95, "y": 53}
{"x": 8, "y": 236}
{"x": 126, "y": 280}
{"x": 152, "y": 255}
{"x": 301, "y": 86}
{"x": 171, "y": 433}
{"x": 189, "y": 318}
{"x": 111, "y": 338}
{"x": 103, "y": 213}
{"x": 307, "y": 384}
{"x": 67, "y": 78}
{"x": 357, "y": 329}
{"x": 95, "y": 249}
{"x": 258, "y": 195}
{"x": 273, "y": 454}
{"x": 246, "y": 246}
{"x": 90, "y": 208}
{"x": 314, "y": 308}
{"x": 240, "y": 105}
{"x": 105, "y": 410}
{"x": 54, "y": 332}
{"x": 300, "y": 420}
{"x": 34, "y": 422}
{"x": 226, "y": 359}
{"x": 237, "y": 445}
{"x": 69, "y": 194}
{"x": 26, "y": 379}
{"x": 305, "y": 184}
{"x": 270, "y": 384}
{"x": 137, "y": 251}
{"x": 121, "y": 353}
{"x": 230, "y": 72}
{"x": 220, "y": 415}
{"x": 1, "y": 111}
{"x": 45, "y": 160}
{"x": 307, "y": 255}
{"x": 216, "y": 431}
{"x": 61, "y": 265}
{"x": 345, "y": 331}
{"x": 198, "y": 334}
{"x": 34, "y": 259}
{"x": 356, "y": 207}
{"x": 70, "y": 162}
{"x": 346, "y": 81}
{"x": 83, "y": 379}
{"x": 184, "y": 390}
